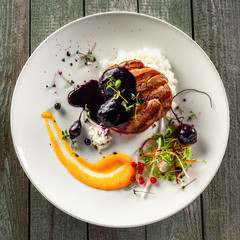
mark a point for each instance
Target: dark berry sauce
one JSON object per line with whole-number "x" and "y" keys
{"x": 104, "y": 107}
{"x": 88, "y": 95}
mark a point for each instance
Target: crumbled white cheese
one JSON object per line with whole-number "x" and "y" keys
{"x": 99, "y": 137}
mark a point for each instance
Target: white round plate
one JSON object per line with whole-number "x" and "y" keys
{"x": 112, "y": 32}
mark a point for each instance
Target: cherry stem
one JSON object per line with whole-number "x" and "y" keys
{"x": 176, "y": 116}
{"x": 195, "y": 90}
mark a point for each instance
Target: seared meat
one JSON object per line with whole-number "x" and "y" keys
{"x": 153, "y": 87}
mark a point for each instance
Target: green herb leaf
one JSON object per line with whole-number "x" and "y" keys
{"x": 72, "y": 143}
{"x": 156, "y": 136}
{"x": 124, "y": 104}
{"x": 118, "y": 83}
{"x": 140, "y": 151}
{"x": 87, "y": 112}
{"x": 180, "y": 109}
{"x": 132, "y": 96}
{"x": 192, "y": 115}
{"x": 65, "y": 135}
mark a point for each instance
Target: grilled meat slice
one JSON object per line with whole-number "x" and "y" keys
{"x": 153, "y": 87}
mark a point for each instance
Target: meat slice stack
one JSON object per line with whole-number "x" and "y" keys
{"x": 153, "y": 87}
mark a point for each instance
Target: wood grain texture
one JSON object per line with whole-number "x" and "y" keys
{"x": 47, "y": 222}
{"x": 14, "y": 51}
{"x": 187, "y": 223}
{"x": 97, "y": 232}
{"x": 95, "y": 6}
{"x": 216, "y": 25}
{"x": 48, "y": 16}
{"x": 216, "y": 29}
{"x": 176, "y": 12}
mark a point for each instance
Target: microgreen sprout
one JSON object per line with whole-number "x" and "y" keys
{"x": 192, "y": 115}
{"x": 114, "y": 84}
{"x": 88, "y": 57}
{"x": 134, "y": 105}
{"x": 65, "y": 135}
{"x": 184, "y": 186}
{"x": 71, "y": 82}
{"x": 73, "y": 143}
{"x": 87, "y": 112}
{"x": 63, "y": 59}
{"x": 156, "y": 136}
{"x": 54, "y": 83}
{"x": 140, "y": 151}
{"x": 180, "y": 109}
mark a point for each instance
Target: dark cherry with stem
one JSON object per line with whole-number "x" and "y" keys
{"x": 186, "y": 133}
{"x": 75, "y": 129}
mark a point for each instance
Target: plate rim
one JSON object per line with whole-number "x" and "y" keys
{"x": 137, "y": 15}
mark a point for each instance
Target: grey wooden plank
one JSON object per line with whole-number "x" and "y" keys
{"x": 102, "y": 233}
{"x": 48, "y": 222}
{"x": 216, "y": 26}
{"x": 97, "y": 232}
{"x": 95, "y": 6}
{"x": 175, "y": 12}
{"x": 187, "y": 223}
{"x": 48, "y": 16}
{"x": 14, "y": 46}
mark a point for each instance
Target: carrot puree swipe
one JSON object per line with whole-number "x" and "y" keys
{"x": 105, "y": 165}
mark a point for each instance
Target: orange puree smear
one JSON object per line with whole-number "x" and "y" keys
{"x": 105, "y": 165}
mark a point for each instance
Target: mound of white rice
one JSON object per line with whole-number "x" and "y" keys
{"x": 151, "y": 58}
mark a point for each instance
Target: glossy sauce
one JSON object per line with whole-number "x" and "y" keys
{"x": 103, "y": 105}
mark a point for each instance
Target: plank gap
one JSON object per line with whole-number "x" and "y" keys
{"x": 138, "y": 6}
{"x": 202, "y": 217}
{"x": 84, "y": 14}
{"x": 192, "y": 19}
{"x": 29, "y": 183}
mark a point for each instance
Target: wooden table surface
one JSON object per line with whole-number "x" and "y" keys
{"x": 214, "y": 25}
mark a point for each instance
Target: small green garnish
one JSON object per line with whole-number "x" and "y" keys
{"x": 127, "y": 108}
{"x": 180, "y": 109}
{"x": 192, "y": 115}
{"x": 156, "y": 136}
{"x": 72, "y": 143}
{"x": 87, "y": 112}
{"x": 63, "y": 59}
{"x": 133, "y": 97}
{"x": 168, "y": 131}
{"x": 117, "y": 95}
{"x": 118, "y": 83}
{"x": 88, "y": 57}
{"x": 76, "y": 155}
{"x": 140, "y": 151}
{"x": 65, "y": 134}
{"x": 114, "y": 84}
